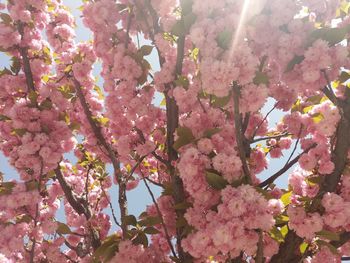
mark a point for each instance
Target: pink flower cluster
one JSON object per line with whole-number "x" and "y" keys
{"x": 231, "y": 229}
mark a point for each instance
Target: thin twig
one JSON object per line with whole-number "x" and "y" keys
{"x": 328, "y": 91}
{"x": 263, "y": 120}
{"x": 159, "y": 158}
{"x": 111, "y": 207}
{"x": 271, "y": 137}
{"x": 128, "y": 26}
{"x": 296, "y": 144}
{"x": 32, "y": 250}
{"x": 154, "y": 182}
{"x": 285, "y": 168}
{"x": 87, "y": 184}
{"x": 122, "y": 199}
{"x": 131, "y": 173}
{"x": 161, "y": 217}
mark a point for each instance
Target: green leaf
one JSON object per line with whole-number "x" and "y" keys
{"x": 4, "y": 118}
{"x": 323, "y": 243}
{"x": 265, "y": 193}
{"x": 284, "y": 230}
{"x": 210, "y": 132}
{"x": 317, "y": 117}
{"x": 143, "y": 215}
{"x": 219, "y": 102}
{"x": 19, "y": 132}
{"x": 182, "y": 81}
{"x": 276, "y": 234}
{"x": 194, "y": 54}
{"x": 282, "y": 220}
{"x": 145, "y": 50}
{"x": 151, "y": 231}
{"x": 130, "y": 220}
{"x": 32, "y": 185}
{"x": 108, "y": 248}
{"x": 332, "y": 236}
{"x": 6, "y": 18}
{"x": 33, "y": 97}
{"x": 224, "y": 39}
{"x": 181, "y": 222}
{"x": 150, "y": 221}
{"x": 185, "y": 137}
{"x": 16, "y": 65}
{"x": 315, "y": 180}
{"x": 261, "y": 78}
{"x": 182, "y": 206}
{"x": 6, "y": 188}
{"x": 141, "y": 239}
{"x": 331, "y": 35}
{"x": 216, "y": 181}
{"x": 74, "y": 126}
{"x": 63, "y": 229}
{"x": 303, "y": 247}
{"x": 296, "y": 60}
{"x": 315, "y": 99}
{"x": 285, "y": 198}
{"x": 23, "y": 219}
{"x": 46, "y": 104}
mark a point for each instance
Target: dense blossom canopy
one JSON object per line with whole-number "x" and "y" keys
{"x": 205, "y": 146}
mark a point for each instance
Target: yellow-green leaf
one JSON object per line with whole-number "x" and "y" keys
{"x": 216, "y": 181}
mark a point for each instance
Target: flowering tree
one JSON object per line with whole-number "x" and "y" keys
{"x": 205, "y": 146}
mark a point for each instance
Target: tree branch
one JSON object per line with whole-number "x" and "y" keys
{"x": 240, "y": 139}
{"x": 122, "y": 199}
{"x": 271, "y": 137}
{"x": 285, "y": 168}
{"x": 70, "y": 196}
{"x": 161, "y": 218}
{"x": 26, "y": 63}
{"x": 260, "y": 251}
{"x": 262, "y": 121}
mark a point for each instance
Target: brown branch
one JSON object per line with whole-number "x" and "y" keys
{"x": 26, "y": 63}
{"x": 154, "y": 182}
{"x": 32, "y": 250}
{"x": 262, "y": 121}
{"x": 260, "y": 252}
{"x": 111, "y": 207}
{"x": 132, "y": 171}
{"x": 245, "y": 122}
{"x": 161, "y": 218}
{"x": 328, "y": 91}
{"x": 296, "y": 144}
{"x": 240, "y": 139}
{"x": 70, "y": 196}
{"x": 288, "y": 249}
{"x": 76, "y": 204}
{"x": 285, "y": 168}
{"x": 159, "y": 158}
{"x": 286, "y": 253}
{"x": 342, "y": 146}
{"x": 122, "y": 199}
{"x": 87, "y": 185}
{"x": 126, "y": 44}
{"x": 271, "y": 137}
